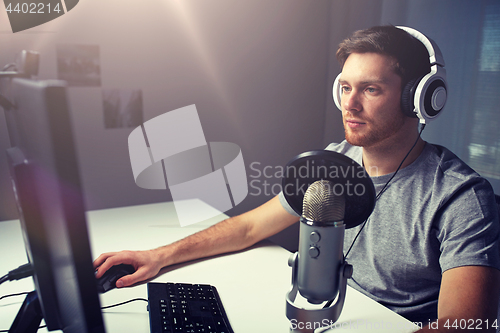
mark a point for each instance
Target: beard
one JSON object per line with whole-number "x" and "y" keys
{"x": 374, "y": 133}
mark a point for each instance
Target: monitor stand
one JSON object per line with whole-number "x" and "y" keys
{"x": 29, "y": 316}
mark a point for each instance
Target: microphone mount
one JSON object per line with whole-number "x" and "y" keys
{"x": 329, "y": 312}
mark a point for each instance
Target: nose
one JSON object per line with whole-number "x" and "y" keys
{"x": 350, "y": 101}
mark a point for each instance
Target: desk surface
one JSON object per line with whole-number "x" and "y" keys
{"x": 252, "y": 283}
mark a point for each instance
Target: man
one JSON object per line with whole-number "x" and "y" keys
{"x": 430, "y": 248}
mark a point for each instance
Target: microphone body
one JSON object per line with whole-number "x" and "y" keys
{"x": 321, "y": 242}
{"x": 320, "y": 259}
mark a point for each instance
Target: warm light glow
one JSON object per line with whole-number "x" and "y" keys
{"x": 199, "y": 42}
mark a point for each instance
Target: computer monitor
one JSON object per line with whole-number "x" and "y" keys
{"x": 44, "y": 171}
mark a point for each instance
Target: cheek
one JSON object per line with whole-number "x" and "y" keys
{"x": 390, "y": 108}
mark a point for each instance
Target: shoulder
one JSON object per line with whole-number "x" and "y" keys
{"x": 460, "y": 190}
{"x": 451, "y": 174}
{"x": 450, "y": 164}
{"x": 462, "y": 206}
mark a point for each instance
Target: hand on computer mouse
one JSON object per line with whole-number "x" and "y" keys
{"x": 146, "y": 264}
{"x": 108, "y": 280}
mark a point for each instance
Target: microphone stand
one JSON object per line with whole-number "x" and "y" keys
{"x": 307, "y": 320}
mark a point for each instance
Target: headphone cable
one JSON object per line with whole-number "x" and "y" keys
{"x": 385, "y": 187}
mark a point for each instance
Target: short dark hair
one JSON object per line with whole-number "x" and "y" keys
{"x": 411, "y": 56}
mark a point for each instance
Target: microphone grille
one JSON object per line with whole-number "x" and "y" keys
{"x": 322, "y": 204}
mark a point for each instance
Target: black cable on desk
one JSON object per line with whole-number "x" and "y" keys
{"x": 102, "y": 308}
{"x": 12, "y": 295}
{"x": 123, "y": 303}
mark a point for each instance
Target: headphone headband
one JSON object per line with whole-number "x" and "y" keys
{"x": 435, "y": 55}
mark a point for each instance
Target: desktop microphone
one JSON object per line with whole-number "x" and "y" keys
{"x": 321, "y": 242}
{"x": 334, "y": 201}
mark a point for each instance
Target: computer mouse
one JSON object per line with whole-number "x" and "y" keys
{"x": 108, "y": 280}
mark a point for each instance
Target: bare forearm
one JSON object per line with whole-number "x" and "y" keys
{"x": 231, "y": 235}
{"x": 227, "y": 236}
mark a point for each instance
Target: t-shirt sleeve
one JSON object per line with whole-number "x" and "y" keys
{"x": 285, "y": 204}
{"x": 468, "y": 227}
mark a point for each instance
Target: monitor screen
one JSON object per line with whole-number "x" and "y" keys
{"x": 44, "y": 170}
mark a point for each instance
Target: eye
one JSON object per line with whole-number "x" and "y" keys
{"x": 345, "y": 89}
{"x": 371, "y": 90}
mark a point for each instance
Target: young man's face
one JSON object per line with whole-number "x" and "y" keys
{"x": 371, "y": 95}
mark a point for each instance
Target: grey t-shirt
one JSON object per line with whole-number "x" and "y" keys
{"x": 436, "y": 214}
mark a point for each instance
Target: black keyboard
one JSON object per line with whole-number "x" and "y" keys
{"x": 186, "y": 308}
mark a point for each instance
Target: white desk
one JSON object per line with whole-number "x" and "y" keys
{"x": 252, "y": 283}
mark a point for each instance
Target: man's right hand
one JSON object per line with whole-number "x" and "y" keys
{"x": 147, "y": 264}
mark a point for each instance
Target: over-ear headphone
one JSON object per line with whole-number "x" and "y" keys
{"x": 424, "y": 97}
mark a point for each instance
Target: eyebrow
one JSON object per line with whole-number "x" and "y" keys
{"x": 374, "y": 81}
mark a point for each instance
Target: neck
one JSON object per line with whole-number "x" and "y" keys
{"x": 385, "y": 159}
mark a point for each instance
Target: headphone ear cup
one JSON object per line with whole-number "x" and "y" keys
{"x": 407, "y": 98}
{"x": 337, "y": 92}
{"x": 433, "y": 97}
